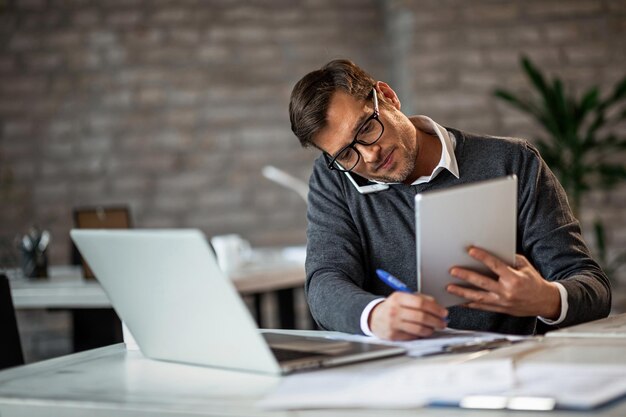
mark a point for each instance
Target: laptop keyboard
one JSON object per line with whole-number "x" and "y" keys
{"x": 283, "y": 355}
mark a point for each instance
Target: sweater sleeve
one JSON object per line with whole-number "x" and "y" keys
{"x": 551, "y": 239}
{"x": 334, "y": 264}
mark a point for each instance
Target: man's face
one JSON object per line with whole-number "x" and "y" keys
{"x": 392, "y": 158}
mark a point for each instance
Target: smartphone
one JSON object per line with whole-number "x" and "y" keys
{"x": 363, "y": 185}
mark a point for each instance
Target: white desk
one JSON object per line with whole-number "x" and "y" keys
{"x": 64, "y": 288}
{"x": 268, "y": 271}
{"x": 112, "y": 381}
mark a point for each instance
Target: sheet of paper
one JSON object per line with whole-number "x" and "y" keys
{"x": 435, "y": 343}
{"x": 570, "y": 388}
{"x": 409, "y": 384}
{"x": 535, "y": 375}
{"x": 572, "y": 376}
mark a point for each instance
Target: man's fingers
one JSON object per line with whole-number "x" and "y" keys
{"x": 421, "y": 318}
{"x": 402, "y": 335}
{"x": 521, "y": 261}
{"x": 478, "y": 296}
{"x": 421, "y": 302}
{"x": 492, "y": 262}
{"x": 416, "y": 329}
{"x": 488, "y": 307}
{"x": 405, "y": 316}
{"x": 473, "y": 277}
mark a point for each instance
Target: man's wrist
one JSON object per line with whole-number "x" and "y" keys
{"x": 562, "y": 303}
{"x": 552, "y": 306}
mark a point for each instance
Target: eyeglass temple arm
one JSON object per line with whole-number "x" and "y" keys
{"x": 375, "y": 99}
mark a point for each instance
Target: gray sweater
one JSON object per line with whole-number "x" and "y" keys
{"x": 351, "y": 234}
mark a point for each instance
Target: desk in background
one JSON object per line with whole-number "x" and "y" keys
{"x": 96, "y": 324}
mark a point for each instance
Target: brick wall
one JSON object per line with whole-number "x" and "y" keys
{"x": 173, "y": 107}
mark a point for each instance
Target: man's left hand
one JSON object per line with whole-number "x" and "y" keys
{"x": 519, "y": 291}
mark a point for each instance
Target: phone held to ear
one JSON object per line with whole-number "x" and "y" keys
{"x": 363, "y": 185}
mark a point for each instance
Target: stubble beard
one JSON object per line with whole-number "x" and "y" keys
{"x": 408, "y": 166}
{"x": 408, "y": 150}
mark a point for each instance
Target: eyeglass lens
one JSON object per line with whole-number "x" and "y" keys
{"x": 369, "y": 133}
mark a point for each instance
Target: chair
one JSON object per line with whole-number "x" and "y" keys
{"x": 99, "y": 218}
{"x": 11, "y": 347}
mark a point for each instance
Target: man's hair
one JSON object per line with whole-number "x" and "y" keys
{"x": 311, "y": 95}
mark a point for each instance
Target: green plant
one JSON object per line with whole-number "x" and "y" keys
{"x": 578, "y": 141}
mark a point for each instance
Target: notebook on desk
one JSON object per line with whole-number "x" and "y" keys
{"x": 168, "y": 289}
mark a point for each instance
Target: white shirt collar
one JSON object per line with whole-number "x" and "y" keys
{"x": 448, "y": 144}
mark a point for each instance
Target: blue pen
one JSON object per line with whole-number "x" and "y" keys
{"x": 397, "y": 285}
{"x": 392, "y": 281}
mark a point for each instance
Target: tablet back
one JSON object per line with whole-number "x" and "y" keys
{"x": 449, "y": 221}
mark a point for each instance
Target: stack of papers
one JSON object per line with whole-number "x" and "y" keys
{"x": 404, "y": 385}
{"x": 539, "y": 374}
{"x": 444, "y": 341}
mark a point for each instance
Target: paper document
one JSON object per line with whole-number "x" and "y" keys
{"x": 403, "y": 385}
{"x": 556, "y": 374}
{"x": 537, "y": 375}
{"x": 442, "y": 341}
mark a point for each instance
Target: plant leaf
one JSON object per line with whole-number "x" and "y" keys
{"x": 527, "y": 107}
{"x": 598, "y": 229}
{"x": 589, "y": 101}
{"x": 609, "y": 143}
{"x": 619, "y": 92}
{"x": 550, "y": 154}
{"x": 552, "y": 117}
{"x": 518, "y": 102}
{"x": 611, "y": 174}
{"x": 535, "y": 76}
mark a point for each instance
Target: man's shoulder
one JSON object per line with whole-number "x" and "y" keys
{"x": 490, "y": 144}
{"x": 477, "y": 139}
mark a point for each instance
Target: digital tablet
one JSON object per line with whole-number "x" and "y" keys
{"x": 449, "y": 221}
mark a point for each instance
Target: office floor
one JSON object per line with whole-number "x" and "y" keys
{"x": 48, "y": 333}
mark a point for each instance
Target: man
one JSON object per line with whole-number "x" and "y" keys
{"x": 357, "y": 124}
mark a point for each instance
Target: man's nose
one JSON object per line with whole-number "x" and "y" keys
{"x": 370, "y": 153}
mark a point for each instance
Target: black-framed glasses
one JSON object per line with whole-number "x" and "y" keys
{"x": 368, "y": 134}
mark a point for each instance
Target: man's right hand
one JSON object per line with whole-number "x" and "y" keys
{"x": 404, "y": 316}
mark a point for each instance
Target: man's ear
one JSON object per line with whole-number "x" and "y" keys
{"x": 386, "y": 94}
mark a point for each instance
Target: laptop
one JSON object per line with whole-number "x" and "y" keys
{"x": 449, "y": 221}
{"x": 179, "y": 306}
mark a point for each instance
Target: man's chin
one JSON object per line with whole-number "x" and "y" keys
{"x": 393, "y": 177}
{"x": 386, "y": 180}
